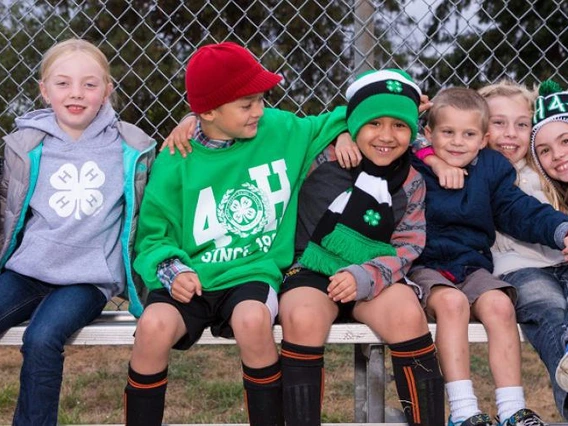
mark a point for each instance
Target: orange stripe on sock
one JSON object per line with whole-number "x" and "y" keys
{"x": 413, "y": 393}
{"x": 295, "y": 355}
{"x": 411, "y": 354}
{"x": 265, "y": 380}
{"x": 147, "y": 386}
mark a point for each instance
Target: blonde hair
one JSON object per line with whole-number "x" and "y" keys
{"x": 509, "y": 88}
{"x": 74, "y": 45}
{"x": 556, "y": 192}
{"x": 460, "y": 98}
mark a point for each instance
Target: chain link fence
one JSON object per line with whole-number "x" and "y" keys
{"x": 317, "y": 46}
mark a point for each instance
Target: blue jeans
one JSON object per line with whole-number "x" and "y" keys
{"x": 542, "y": 311}
{"x": 55, "y": 313}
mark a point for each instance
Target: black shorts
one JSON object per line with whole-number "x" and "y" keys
{"x": 302, "y": 277}
{"x": 214, "y": 309}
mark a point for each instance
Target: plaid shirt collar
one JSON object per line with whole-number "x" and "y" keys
{"x": 200, "y": 138}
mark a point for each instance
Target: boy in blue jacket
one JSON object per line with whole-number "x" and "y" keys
{"x": 454, "y": 270}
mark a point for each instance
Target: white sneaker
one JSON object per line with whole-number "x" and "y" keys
{"x": 561, "y": 375}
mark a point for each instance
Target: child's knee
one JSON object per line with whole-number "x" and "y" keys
{"x": 499, "y": 307}
{"x": 449, "y": 303}
{"x": 303, "y": 319}
{"x": 254, "y": 318}
{"x": 408, "y": 316}
{"x": 153, "y": 329}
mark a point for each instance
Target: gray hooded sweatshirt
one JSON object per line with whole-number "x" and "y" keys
{"x": 73, "y": 234}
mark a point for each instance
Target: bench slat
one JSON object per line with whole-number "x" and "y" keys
{"x": 117, "y": 328}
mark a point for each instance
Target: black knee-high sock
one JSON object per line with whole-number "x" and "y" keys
{"x": 419, "y": 381}
{"x": 302, "y": 383}
{"x": 263, "y": 395}
{"x": 144, "y": 398}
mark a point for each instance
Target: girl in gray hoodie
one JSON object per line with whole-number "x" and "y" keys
{"x": 73, "y": 179}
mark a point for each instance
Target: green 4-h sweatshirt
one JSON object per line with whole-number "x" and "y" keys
{"x": 230, "y": 213}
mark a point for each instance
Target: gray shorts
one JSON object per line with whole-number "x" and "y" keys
{"x": 474, "y": 285}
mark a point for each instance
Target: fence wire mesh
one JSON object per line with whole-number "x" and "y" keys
{"x": 317, "y": 46}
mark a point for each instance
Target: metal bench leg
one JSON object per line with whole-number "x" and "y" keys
{"x": 370, "y": 383}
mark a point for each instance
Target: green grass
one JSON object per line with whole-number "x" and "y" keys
{"x": 205, "y": 385}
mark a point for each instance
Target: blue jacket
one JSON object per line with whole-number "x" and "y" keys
{"x": 23, "y": 153}
{"x": 461, "y": 224}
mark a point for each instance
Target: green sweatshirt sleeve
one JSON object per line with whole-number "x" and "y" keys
{"x": 324, "y": 129}
{"x": 159, "y": 234}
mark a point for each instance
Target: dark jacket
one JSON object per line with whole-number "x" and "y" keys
{"x": 461, "y": 224}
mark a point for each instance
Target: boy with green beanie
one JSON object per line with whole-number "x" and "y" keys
{"x": 358, "y": 232}
{"x": 217, "y": 228}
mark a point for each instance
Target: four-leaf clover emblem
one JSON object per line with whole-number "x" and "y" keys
{"x": 242, "y": 210}
{"x": 372, "y": 217}
{"x": 77, "y": 190}
{"x": 394, "y": 86}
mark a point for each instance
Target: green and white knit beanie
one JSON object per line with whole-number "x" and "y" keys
{"x": 551, "y": 105}
{"x": 384, "y": 93}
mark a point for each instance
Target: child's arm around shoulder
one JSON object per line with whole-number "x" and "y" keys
{"x": 317, "y": 131}
{"x": 516, "y": 213}
{"x": 449, "y": 177}
{"x": 408, "y": 239}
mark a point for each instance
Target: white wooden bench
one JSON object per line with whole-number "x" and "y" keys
{"x": 117, "y": 328}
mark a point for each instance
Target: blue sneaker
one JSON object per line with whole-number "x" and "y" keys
{"x": 477, "y": 420}
{"x": 561, "y": 375}
{"x": 524, "y": 417}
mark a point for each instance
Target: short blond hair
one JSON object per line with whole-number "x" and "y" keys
{"x": 74, "y": 45}
{"x": 509, "y": 88}
{"x": 460, "y": 98}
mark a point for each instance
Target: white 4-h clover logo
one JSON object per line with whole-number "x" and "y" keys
{"x": 243, "y": 211}
{"x": 77, "y": 190}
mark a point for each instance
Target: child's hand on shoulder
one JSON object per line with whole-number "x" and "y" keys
{"x": 425, "y": 104}
{"x": 342, "y": 287}
{"x": 565, "y": 251}
{"x": 347, "y": 152}
{"x": 450, "y": 177}
{"x": 180, "y": 136}
{"x": 185, "y": 286}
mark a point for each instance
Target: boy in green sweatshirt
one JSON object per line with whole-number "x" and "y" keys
{"x": 213, "y": 241}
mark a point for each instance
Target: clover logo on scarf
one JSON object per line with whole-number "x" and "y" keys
{"x": 372, "y": 217}
{"x": 77, "y": 190}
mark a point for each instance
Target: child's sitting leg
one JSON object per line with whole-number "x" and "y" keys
{"x": 450, "y": 307}
{"x": 306, "y": 315}
{"x": 496, "y": 312}
{"x": 251, "y": 322}
{"x": 396, "y": 315}
{"x": 158, "y": 330}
